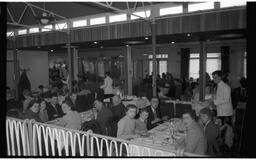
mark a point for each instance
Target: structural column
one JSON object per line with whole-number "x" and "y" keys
{"x": 153, "y": 34}
{"x": 70, "y": 66}
{"x": 202, "y": 71}
{"x": 75, "y": 63}
{"x": 16, "y": 69}
{"x": 129, "y": 69}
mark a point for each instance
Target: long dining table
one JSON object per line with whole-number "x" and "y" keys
{"x": 165, "y": 135}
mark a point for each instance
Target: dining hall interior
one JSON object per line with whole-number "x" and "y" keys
{"x": 126, "y": 79}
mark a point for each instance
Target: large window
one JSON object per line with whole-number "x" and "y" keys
{"x": 80, "y": 23}
{"x": 61, "y": 26}
{"x": 213, "y": 63}
{"x": 232, "y": 3}
{"x": 143, "y": 14}
{"x": 117, "y": 18}
{"x": 161, "y": 63}
{"x": 47, "y": 28}
{"x": 33, "y": 30}
{"x": 200, "y": 6}
{"x": 100, "y": 20}
{"x": 171, "y": 10}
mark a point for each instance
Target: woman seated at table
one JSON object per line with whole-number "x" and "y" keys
{"x": 71, "y": 119}
{"x": 141, "y": 122}
{"x": 195, "y": 140}
{"x": 126, "y": 125}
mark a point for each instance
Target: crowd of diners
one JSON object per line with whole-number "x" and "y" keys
{"x": 209, "y": 128}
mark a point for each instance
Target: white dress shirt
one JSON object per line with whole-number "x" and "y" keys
{"x": 223, "y": 100}
{"x": 107, "y": 86}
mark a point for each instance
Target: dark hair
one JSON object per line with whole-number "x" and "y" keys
{"x": 100, "y": 96}
{"x": 40, "y": 86}
{"x": 191, "y": 112}
{"x": 143, "y": 110}
{"x": 207, "y": 112}
{"x": 130, "y": 106}
{"x": 32, "y": 102}
{"x": 214, "y": 113}
{"x": 107, "y": 73}
{"x": 218, "y": 72}
{"x": 69, "y": 102}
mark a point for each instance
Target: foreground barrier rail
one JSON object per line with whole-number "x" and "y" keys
{"x": 30, "y": 138}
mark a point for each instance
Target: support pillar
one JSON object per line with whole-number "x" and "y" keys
{"x": 75, "y": 63}
{"x": 129, "y": 69}
{"x": 16, "y": 69}
{"x": 70, "y": 66}
{"x": 153, "y": 34}
{"x": 202, "y": 71}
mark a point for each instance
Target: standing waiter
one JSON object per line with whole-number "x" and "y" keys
{"x": 107, "y": 86}
{"x": 222, "y": 99}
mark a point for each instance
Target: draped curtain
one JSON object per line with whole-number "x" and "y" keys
{"x": 184, "y": 68}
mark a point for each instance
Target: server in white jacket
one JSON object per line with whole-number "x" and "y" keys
{"x": 222, "y": 99}
{"x": 107, "y": 86}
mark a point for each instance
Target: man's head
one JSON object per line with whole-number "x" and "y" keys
{"x": 98, "y": 104}
{"x": 188, "y": 117}
{"x": 154, "y": 102}
{"x": 131, "y": 111}
{"x": 217, "y": 76}
{"x": 67, "y": 105}
{"x": 34, "y": 106}
{"x": 54, "y": 99}
{"x": 107, "y": 74}
{"x": 116, "y": 100}
{"x": 144, "y": 114}
{"x": 73, "y": 96}
{"x": 205, "y": 115}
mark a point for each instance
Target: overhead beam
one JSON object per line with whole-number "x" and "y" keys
{"x": 118, "y": 10}
{"x": 50, "y": 12}
{"x": 10, "y": 15}
{"x": 22, "y": 14}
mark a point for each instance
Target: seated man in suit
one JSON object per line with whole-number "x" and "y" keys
{"x": 154, "y": 116}
{"x": 211, "y": 131}
{"x": 103, "y": 116}
{"x": 118, "y": 109}
{"x": 53, "y": 108}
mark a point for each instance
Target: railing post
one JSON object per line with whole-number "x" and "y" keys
{"x": 88, "y": 144}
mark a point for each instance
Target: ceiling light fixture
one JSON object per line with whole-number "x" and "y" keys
{"x": 127, "y": 45}
{"x": 101, "y": 47}
{"x": 45, "y": 18}
{"x": 188, "y": 35}
{"x": 146, "y": 38}
{"x": 173, "y": 42}
{"x": 95, "y": 42}
{"x": 38, "y": 47}
{"x": 51, "y": 50}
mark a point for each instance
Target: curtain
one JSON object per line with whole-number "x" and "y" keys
{"x": 184, "y": 68}
{"x": 225, "y": 51}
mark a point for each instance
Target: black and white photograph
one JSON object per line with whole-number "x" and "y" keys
{"x": 126, "y": 78}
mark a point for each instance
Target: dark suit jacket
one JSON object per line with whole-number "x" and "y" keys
{"x": 104, "y": 118}
{"x": 212, "y": 134}
{"x": 52, "y": 112}
{"x": 151, "y": 117}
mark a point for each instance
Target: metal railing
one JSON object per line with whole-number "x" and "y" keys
{"x": 30, "y": 138}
